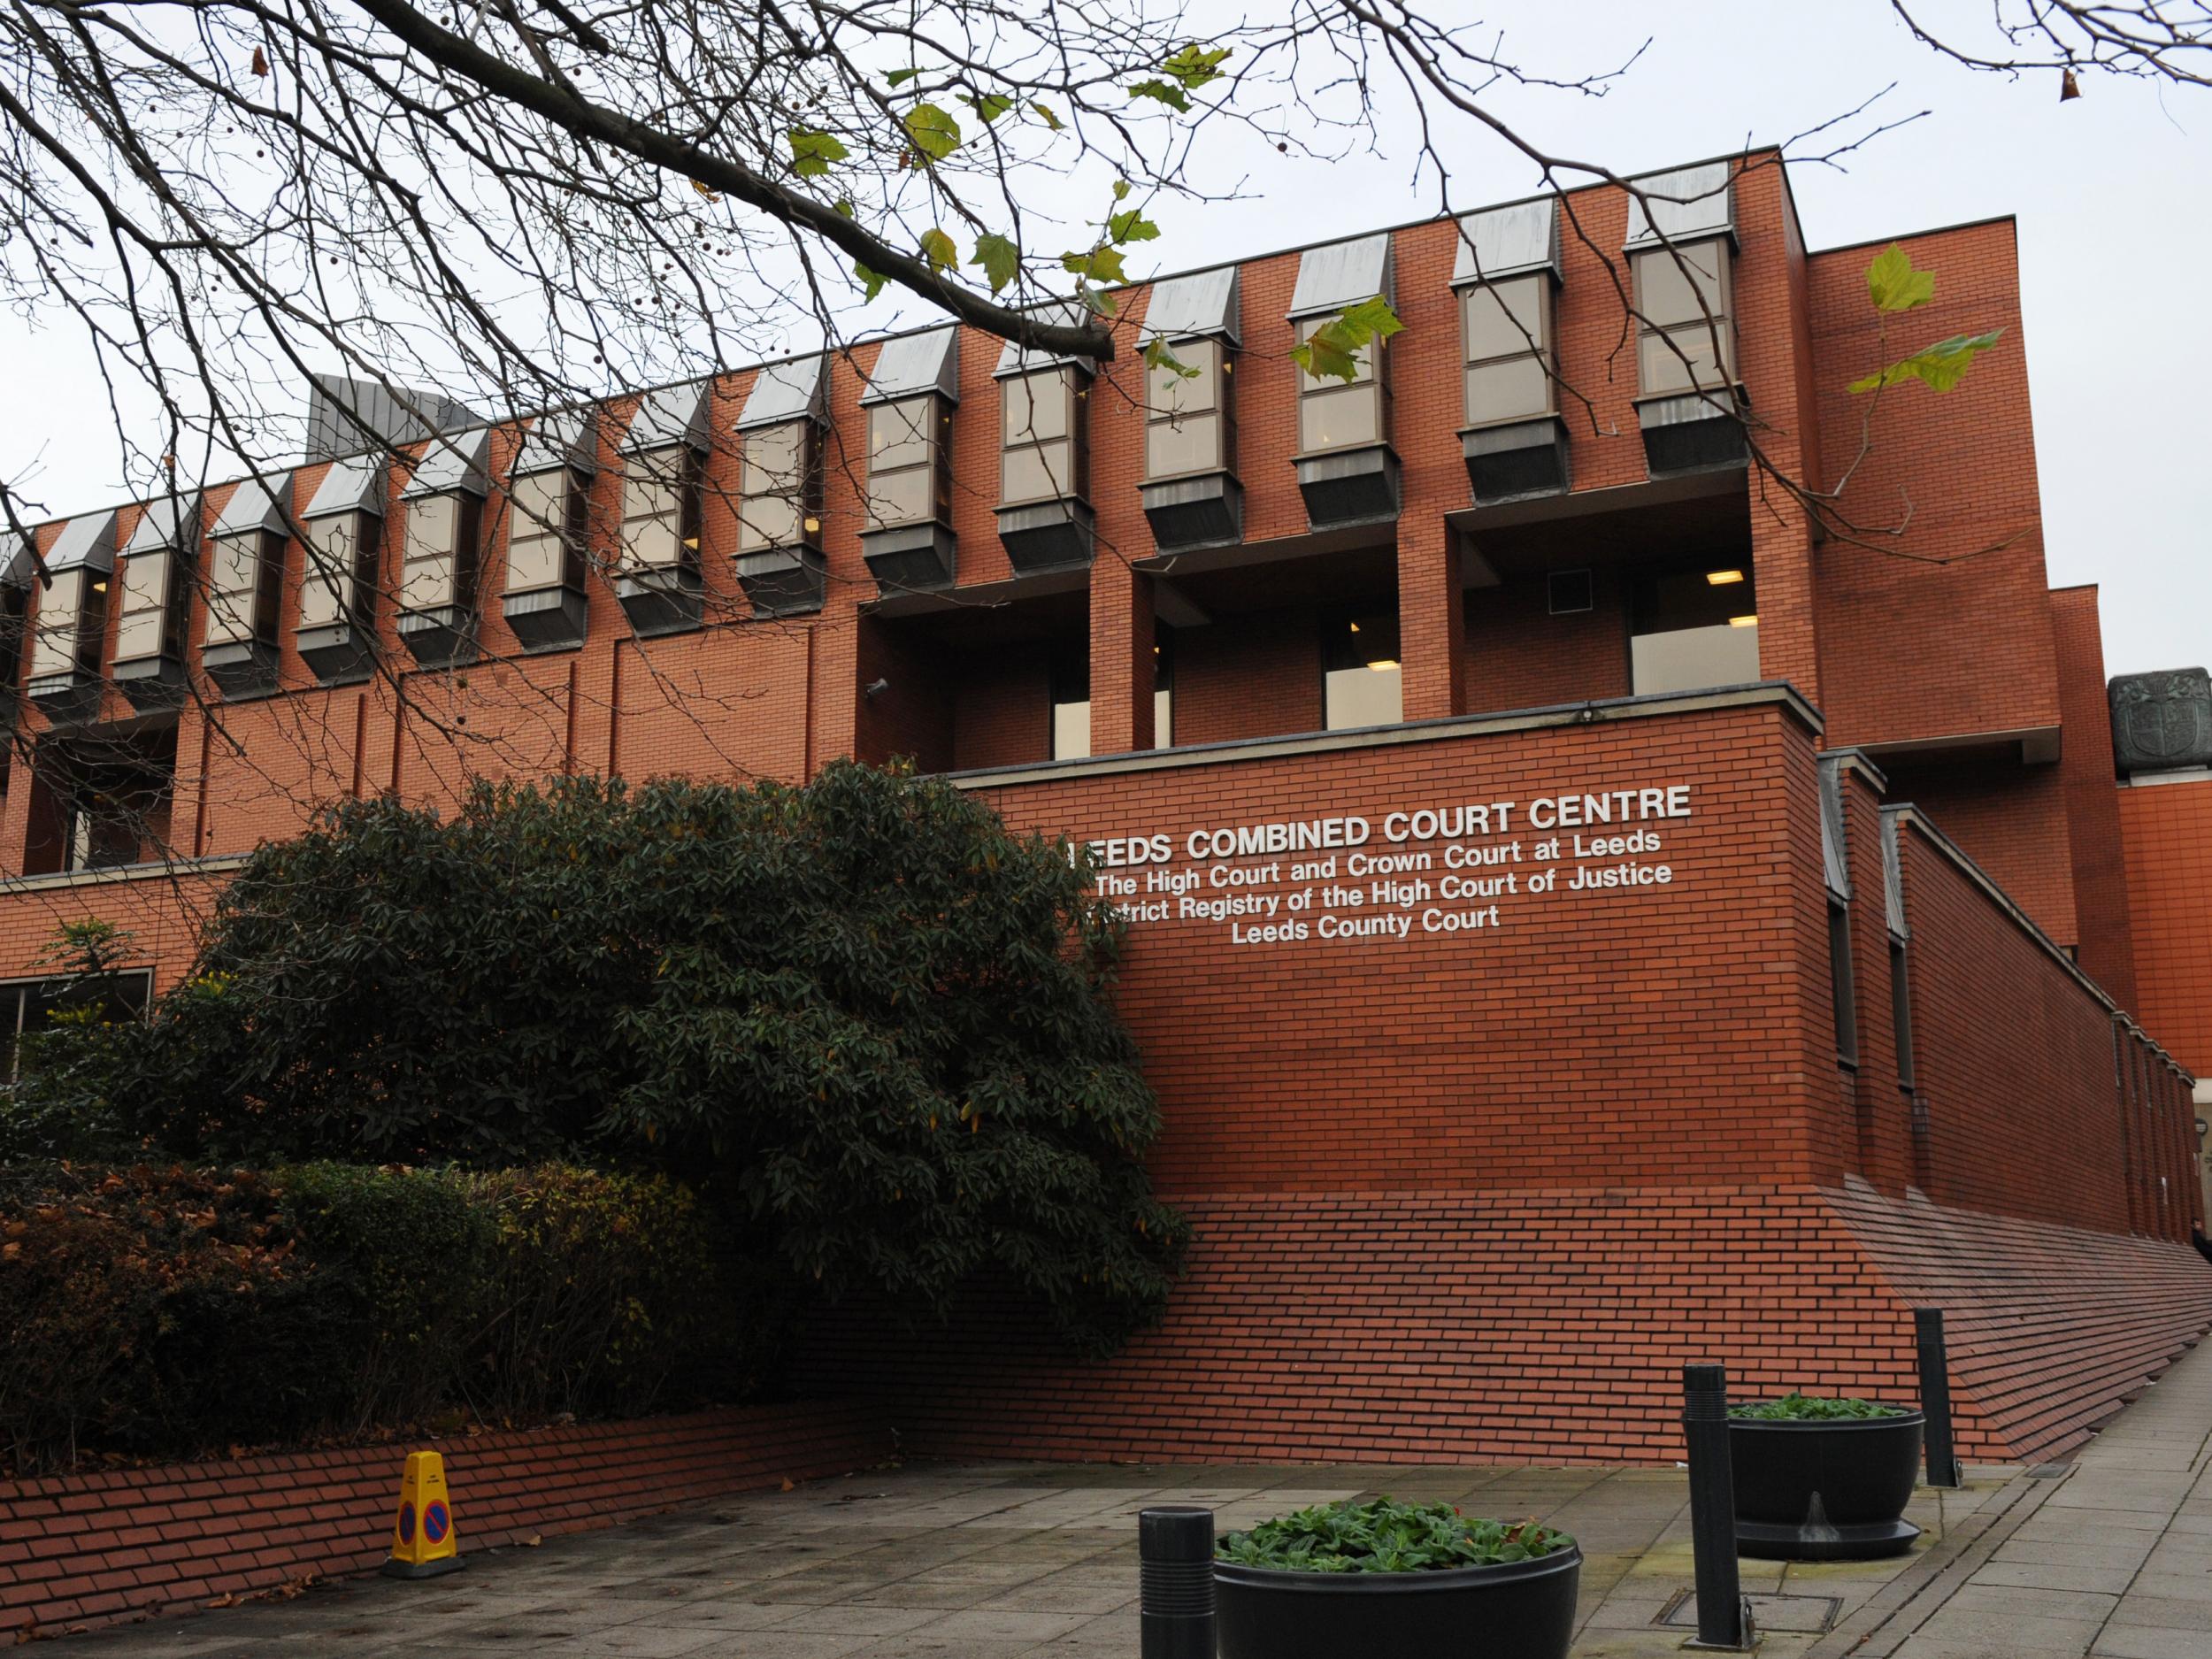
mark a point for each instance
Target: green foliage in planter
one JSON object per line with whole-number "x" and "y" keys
{"x": 864, "y": 1010}
{"x": 1383, "y": 1535}
{"x": 1800, "y": 1408}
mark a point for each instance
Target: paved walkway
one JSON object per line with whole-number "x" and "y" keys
{"x": 2111, "y": 1555}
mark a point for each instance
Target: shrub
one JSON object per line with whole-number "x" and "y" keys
{"x": 1800, "y": 1408}
{"x": 1383, "y": 1535}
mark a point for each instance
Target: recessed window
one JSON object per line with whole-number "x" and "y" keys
{"x": 27, "y": 1007}
{"x": 340, "y": 581}
{"x": 1361, "y": 681}
{"x": 1569, "y": 593}
{"x": 1689, "y": 633}
{"x": 775, "y": 506}
{"x": 154, "y": 582}
{"x": 1507, "y": 330}
{"x": 1162, "y": 686}
{"x": 244, "y": 575}
{"x": 910, "y": 479}
{"x": 1842, "y": 983}
{"x": 1189, "y": 420}
{"x": 1042, "y": 430}
{"x": 1337, "y": 414}
{"x": 660, "y": 509}
{"x": 1687, "y": 336}
{"x": 545, "y": 530}
{"x": 1070, "y": 676}
{"x": 439, "y": 570}
{"x": 1901, "y": 1011}
{"x": 72, "y": 617}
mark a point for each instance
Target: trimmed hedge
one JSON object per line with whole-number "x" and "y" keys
{"x": 173, "y": 1312}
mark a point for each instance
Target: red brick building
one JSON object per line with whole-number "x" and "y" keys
{"x": 1590, "y": 909}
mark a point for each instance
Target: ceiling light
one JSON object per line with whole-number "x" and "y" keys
{"x": 1751, "y": 621}
{"x": 1383, "y": 665}
{"x": 1721, "y": 579}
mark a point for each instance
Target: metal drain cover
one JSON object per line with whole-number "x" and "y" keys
{"x": 1791, "y": 1615}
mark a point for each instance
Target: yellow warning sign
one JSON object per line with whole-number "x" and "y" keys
{"x": 423, "y": 1540}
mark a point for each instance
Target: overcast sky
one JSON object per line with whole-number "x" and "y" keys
{"x": 2113, "y": 193}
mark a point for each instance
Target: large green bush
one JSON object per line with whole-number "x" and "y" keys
{"x": 172, "y": 1312}
{"x": 875, "y": 1022}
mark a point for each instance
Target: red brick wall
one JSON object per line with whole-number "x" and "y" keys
{"x": 2101, "y": 926}
{"x": 1521, "y": 657}
{"x": 2009, "y": 818}
{"x": 2166, "y": 839}
{"x": 93, "y": 1548}
{"x": 1256, "y": 674}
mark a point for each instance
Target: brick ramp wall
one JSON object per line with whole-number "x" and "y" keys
{"x": 2049, "y": 1328}
{"x": 89, "y": 1549}
{"x": 1550, "y": 1327}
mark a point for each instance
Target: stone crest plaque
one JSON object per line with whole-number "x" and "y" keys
{"x": 2161, "y": 721}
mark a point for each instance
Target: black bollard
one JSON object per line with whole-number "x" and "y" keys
{"x": 1721, "y": 1618}
{"x": 1175, "y": 1582}
{"x": 1935, "y": 1397}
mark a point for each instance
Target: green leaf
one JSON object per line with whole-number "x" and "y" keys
{"x": 935, "y": 134}
{"x": 1001, "y": 260}
{"x": 900, "y": 77}
{"x": 1939, "y": 368}
{"x": 1369, "y": 319}
{"x": 1131, "y": 225}
{"x": 1121, "y": 189}
{"x": 1045, "y": 114}
{"x": 1193, "y": 68}
{"x": 1101, "y": 264}
{"x": 1095, "y": 303}
{"x": 990, "y": 105}
{"x": 938, "y": 249}
{"x": 1893, "y": 285}
{"x": 811, "y": 152}
{"x": 844, "y": 204}
{"x": 1156, "y": 356}
{"x": 1164, "y": 92}
{"x": 871, "y": 281}
{"x": 1320, "y": 356}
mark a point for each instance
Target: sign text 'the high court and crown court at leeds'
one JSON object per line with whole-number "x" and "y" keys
{"x": 1387, "y": 877}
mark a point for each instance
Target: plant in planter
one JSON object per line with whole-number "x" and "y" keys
{"x": 1386, "y": 1577}
{"x": 1823, "y": 1479}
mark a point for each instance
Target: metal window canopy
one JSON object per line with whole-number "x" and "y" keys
{"x": 916, "y": 557}
{"x": 1359, "y": 485}
{"x": 788, "y": 581}
{"x": 247, "y": 668}
{"x": 909, "y": 365}
{"x": 353, "y": 485}
{"x": 664, "y": 419}
{"x": 168, "y": 529}
{"x": 1523, "y": 458}
{"x": 1684, "y": 204}
{"x": 563, "y": 437}
{"x": 1203, "y": 508}
{"x": 1693, "y": 432}
{"x": 86, "y": 544}
{"x": 1016, "y": 358}
{"x": 453, "y": 466}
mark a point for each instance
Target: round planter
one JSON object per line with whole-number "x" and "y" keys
{"x": 1518, "y": 1609}
{"x": 1824, "y": 1490}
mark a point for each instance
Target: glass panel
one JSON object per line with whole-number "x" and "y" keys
{"x": 434, "y": 526}
{"x": 900, "y": 497}
{"x": 537, "y": 557}
{"x": 1361, "y": 682}
{"x": 54, "y": 645}
{"x": 1168, "y": 393}
{"x": 1660, "y": 365}
{"x": 767, "y": 521}
{"x": 1690, "y": 633}
{"x": 899, "y": 434}
{"x": 1041, "y": 473}
{"x": 1192, "y": 444}
{"x": 775, "y": 459}
{"x": 1670, "y": 281}
{"x": 1506, "y": 318}
{"x": 1514, "y": 388}
{"x": 1164, "y": 717}
{"x": 1364, "y": 359}
{"x": 1333, "y": 421}
{"x": 145, "y": 579}
{"x": 233, "y": 581}
{"x": 1071, "y": 730}
{"x": 652, "y": 510}
{"x": 326, "y": 590}
{"x": 1034, "y": 407}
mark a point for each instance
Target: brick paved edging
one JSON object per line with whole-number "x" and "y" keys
{"x": 90, "y": 1548}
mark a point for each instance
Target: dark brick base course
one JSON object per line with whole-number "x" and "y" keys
{"x": 83, "y": 1549}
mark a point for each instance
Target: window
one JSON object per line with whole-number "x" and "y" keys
{"x": 660, "y": 509}
{"x": 27, "y": 1006}
{"x": 340, "y": 582}
{"x": 1162, "y": 686}
{"x": 1361, "y": 683}
{"x": 910, "y": 479}
{"x": 1507, "y": 330}
{"x": 72, "y": 617}
{"x": 1901, "y": 1012}
{"x": 439, "y": 571}
{"x": 1843, "y": 983}
{"x": 1190, "y": 421}
{"x": 1335, "y": 414}
{"x": 775, "y": 486}
{"x": 1675, "y": 289}
{"x": 1043, "y": 431}
{"x": 1695, "y": 629}
{"x": 242, "y": 583}
{"x": 152, "y": 599}
{"x": 545, "y": 533}
{"x": 1071, "y": 675}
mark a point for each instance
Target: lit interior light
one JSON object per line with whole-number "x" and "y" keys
{"x": 813, "y": 525}
{"x": 1383, "y": 665}
{"x": 1355, "y": 627}
{"x": 99, "y": 588}
{"x": 1751, "y": 621}
{"x": 1721, "y": 579}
